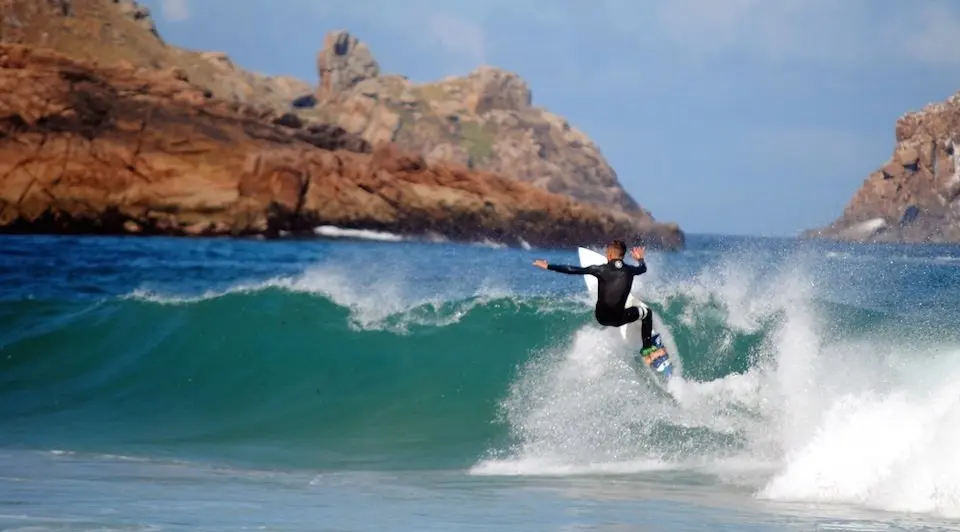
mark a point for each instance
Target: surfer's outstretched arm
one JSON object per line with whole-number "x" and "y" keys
{"x": 566, "y": 268}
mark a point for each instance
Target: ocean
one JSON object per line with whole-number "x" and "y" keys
{"x": 216, "y": 384}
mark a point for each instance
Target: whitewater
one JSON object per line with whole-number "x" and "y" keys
{"x": 377, "y": 383}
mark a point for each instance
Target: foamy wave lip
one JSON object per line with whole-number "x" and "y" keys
{"x": 152, "y": 296}
{"x": 390, "y": 306}
{"x": 386, "y": 306}
{"x": 369, "y": 306}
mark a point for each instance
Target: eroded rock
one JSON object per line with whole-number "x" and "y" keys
{"x": 86, "y": 148}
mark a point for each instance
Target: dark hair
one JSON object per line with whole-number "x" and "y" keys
{"x": 619, "y": 246}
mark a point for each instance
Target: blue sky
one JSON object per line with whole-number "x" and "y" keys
{"x": 727, "y": 116}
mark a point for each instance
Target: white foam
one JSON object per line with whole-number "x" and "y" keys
{"x": 333, "y": 231}
{"x": 891, "y": 449}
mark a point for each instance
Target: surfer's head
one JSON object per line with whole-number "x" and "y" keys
{"x": 616, "y": 250}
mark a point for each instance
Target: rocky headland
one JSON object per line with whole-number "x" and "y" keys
{"x": 913, "y": 196}
{"x": 105, "y": 128}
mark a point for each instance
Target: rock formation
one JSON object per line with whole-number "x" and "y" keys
{"x": 913, "y": 196}
{"x": 485, "y": 120}
{"x": 121, "y": 132}
{"x": 98, "y": 149}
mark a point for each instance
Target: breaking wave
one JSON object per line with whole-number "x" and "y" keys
{"x": 781, "y": 390}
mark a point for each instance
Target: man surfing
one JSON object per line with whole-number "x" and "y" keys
{"x": 614, "y": 281}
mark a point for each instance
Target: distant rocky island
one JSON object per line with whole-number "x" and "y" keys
{"x": 913, "y": 196}
{"x": 108, "y": 129}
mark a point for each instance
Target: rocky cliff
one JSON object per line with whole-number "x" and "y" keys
{"x": 97, "y": 149}
{"x": 913, "y": 196}
{"x": 485, "y": 120}
{"x": 122, "y": 132}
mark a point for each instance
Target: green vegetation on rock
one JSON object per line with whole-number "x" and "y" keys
{"x": 477, "y": 141}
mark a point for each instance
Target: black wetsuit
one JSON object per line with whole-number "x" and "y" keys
{"x": 614, "y": 281}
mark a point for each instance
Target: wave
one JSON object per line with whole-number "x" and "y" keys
{"x": 790, "y": 395}
{"x": 782, "y": 390}
{"x": 324, "y": 370}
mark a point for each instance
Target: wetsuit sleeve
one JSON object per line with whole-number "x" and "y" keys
{"x": 638, "y": 269}
{"x": 566, "y": 268}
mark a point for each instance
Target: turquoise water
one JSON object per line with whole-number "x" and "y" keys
{"x": 164, "y": 384}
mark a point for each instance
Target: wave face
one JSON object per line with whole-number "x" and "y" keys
{"x": 797, "y": 382}
{"x": 275, "y": 368}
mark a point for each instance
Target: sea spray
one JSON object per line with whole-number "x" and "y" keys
{"x": 826, "y": 410}
{"x": 584, "y": 407}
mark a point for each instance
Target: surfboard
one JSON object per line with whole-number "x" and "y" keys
{"x": 659, "y": 362}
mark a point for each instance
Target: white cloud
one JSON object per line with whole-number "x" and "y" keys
{"x": 175, "y": 10}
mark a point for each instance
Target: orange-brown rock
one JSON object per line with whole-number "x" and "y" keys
{"x": 485, "y": 121}
{"x": 913, "y": 196}
{"x": 87, "y": 148}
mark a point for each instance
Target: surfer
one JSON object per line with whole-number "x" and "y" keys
{"x": 614, "y": 281}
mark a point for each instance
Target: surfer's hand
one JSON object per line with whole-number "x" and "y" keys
{"x": 540, "y": 264}
{"x": 638, "y": 253}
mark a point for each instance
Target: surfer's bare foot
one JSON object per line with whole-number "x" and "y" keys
{"x": 540, "y": 264}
